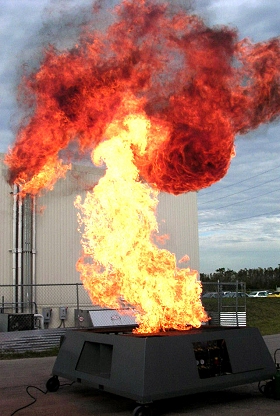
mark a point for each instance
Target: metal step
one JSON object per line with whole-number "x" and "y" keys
{"x": 228, "y": 318}
{"x": 33, "y": 340}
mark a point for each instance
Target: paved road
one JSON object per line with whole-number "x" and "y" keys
{"x": 77, "y": 400}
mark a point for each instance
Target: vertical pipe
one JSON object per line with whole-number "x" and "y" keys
{"x": 26, "y": 251}
{"x": 19, "y": 253}
{"x": 14, "y": 247}
{"x": 33, "y": 281}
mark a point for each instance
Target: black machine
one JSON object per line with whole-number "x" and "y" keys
{"x": 150, "y": 367}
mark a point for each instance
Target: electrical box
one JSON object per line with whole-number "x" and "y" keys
{"x": 62, "y": 313}
{"x": 47, "y": 313}
{"x": 101, "y": 318}
{"x": 82, "y": 318}
{"x": 16, "y": 322}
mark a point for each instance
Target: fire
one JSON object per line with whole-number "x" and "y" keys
{"x": 162, "y": 95}
{"x": 118, "y": 222}
{"x": 45, "y": 178}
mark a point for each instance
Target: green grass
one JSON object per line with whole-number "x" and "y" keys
{"x": 10, "y": 355}
{"x": 262, "y": 313}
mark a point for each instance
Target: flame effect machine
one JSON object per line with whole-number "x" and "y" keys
{"x": 149, "y": 367}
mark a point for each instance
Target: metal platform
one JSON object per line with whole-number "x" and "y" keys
{"x": 146, "y": 368}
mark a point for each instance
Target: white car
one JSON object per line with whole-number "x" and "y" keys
{"x": 258, "y": 294}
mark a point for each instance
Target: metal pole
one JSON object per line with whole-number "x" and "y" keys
{"x": 14, "y": 246}
{"x": 236, "y": 302}
{"x": 78, "y": 304}
{"x": 27, "y": 251}
{"x": 219, "y": 305}
{"x": 34, "y": 249}
{"x": 19, "y": 251}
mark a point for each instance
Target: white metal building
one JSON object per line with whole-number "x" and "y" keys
{"x": 40, "y": 243}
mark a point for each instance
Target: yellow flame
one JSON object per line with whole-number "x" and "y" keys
{"x": 118, "y": 223}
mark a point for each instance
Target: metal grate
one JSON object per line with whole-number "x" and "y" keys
{"x": 225, "y": 303}
{"x": 22, "y": 341}
{"x": 228, "y": 318}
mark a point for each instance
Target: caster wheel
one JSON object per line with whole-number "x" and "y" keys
{"x": 269, "y": 389}
{"x": 142, "y": 411}
{"x": 53, "y": 384}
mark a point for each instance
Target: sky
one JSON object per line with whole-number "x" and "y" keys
{"x": 239, "y": 217}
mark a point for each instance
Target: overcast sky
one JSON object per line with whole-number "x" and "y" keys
{"x": 239, "y": 217}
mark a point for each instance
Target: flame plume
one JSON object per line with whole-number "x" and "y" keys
{"x": 200, "y": 82}
{"x": 189, "y": 88}
{"x": 118, "y": 220}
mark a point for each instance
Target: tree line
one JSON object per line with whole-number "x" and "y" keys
{"x": 255, "y": 279}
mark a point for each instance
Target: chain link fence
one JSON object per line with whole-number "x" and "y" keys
{"x": 52, "y": 305}
{"x": 225, "y": 302}
{"x": 65, "y": 305}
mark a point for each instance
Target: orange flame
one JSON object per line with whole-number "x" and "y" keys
{"x": 120, "y": 259}
{"x": 203, "y": 84}
{"x": 159, "y": 97}
{"x": 44, "y": 179}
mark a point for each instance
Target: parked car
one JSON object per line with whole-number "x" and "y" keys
{"x": 236, "y": 294}
{"x": 258, "y": 294}
{"x": 210, "y": 295}
{"x": 274, "y": 295}
{"x": 215, "y": 294}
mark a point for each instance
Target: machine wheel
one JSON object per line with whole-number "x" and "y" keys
{"x": 53, "y": 384}
{"x": 269, "y": 389}
{"x": 142, "y": 411}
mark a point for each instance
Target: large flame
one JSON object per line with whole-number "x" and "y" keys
{"x": 201, "y": 82}
{"x": 120, "y": 259}
{"x": 158, "y": 93}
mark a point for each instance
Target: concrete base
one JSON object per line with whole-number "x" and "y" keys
{"x": 146, "y": 368}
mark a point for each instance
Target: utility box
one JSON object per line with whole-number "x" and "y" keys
{"x": 16, "y": 322}
{"x": 82, "y": 318}
{"x": 103, "y": 318}
{"x": 62, "y": 313}
{"x": 47, "y": 313}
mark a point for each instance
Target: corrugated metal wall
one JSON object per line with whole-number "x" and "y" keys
{"x": 57, "y": 238}
{"x": 6, "y": 215}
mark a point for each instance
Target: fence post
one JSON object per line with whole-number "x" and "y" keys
{"x": 78, "y": 304}
{"x": 236, "y": 302}
{"x": 219, "y": 301}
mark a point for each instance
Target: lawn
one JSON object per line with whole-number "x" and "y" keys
{"x": 262, "y": 313}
